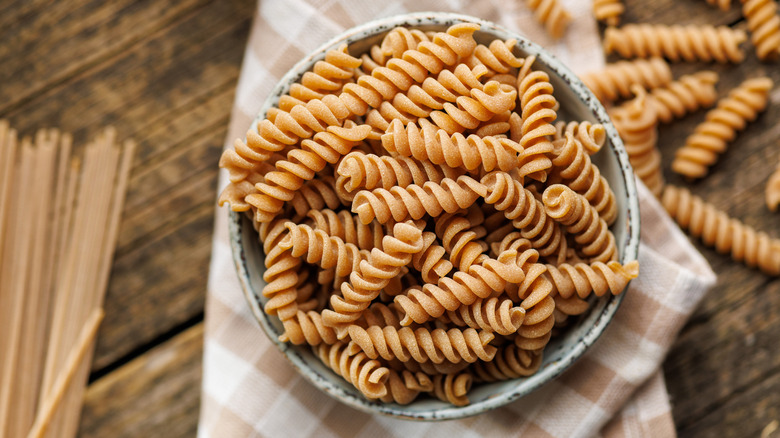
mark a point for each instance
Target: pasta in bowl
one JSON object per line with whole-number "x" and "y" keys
{"x": 434, "y": 240}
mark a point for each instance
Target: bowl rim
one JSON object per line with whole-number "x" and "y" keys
{"x": 544, "y": 375}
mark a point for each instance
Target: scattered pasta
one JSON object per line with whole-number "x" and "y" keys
{"x": 552, "y": 15}
{"x": 398, "y": 195}
{"x": 764, "y": 24}
{"x": 615, "y": 80}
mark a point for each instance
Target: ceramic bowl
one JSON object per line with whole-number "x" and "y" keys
{"x": 577, "y": 103}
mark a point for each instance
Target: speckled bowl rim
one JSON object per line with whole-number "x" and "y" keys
{"x": 630, "y": 246}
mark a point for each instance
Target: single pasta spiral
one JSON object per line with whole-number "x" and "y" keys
{"x": 316, "y": 194}
{"x": 551, "y": 14}
{"x": 393, "y": 45}
{"x": 322, "y": 249}
{"x": 537, "y": 105}
{"x": 307, "y": 328}
{"x": 720, "y": 126}
{"x": 459, "y": 237}
{"x": 597, "y": 278}
{"x": 404, "y": 387}
{"x": 327, "y": 77}
{"x": 676, "y": 43}
{"x": 367, "y": 375}
{"x": 716, "y": 229}
{"x": 764, "y": 25}
{"x": 468, "y": 111}
{"x": 416, "y": 201}
{"x": 301, "y": 166}
{"x": 281, "y": 277}
{"x": 431, "y": 261}
{"x": 496, "y": 58}
{"x": 372, "y": 276}
{"x": 590, "y": 231}
{"x": 608, "y": 11}
{"x": 359, "y": 171}
{"x": 348, "y": 228}
{"x": 453, "y": 388}
{"x": 615, "y": 80}
{"x": 637, "y": 126}
{"x": 510, "y": 362}
{"x": 429, "y": 143}
{"x": 572, "y": 166}
{"x": 422, "y": 344}
{"x": 526, "y": 212}
{"x": 591, "y": 136}
{"x": 492, "y": 314}
{"x": 684, "y": 96}
{"x": 566, "y": 307}
{"x": 464, "y": 288}
{"x": 381, "y": 314}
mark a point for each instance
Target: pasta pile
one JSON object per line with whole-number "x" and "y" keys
{"x": 427, "y": 222}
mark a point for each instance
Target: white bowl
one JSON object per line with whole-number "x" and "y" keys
{"x": 577, "y": 103}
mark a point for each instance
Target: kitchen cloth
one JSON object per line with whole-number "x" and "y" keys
{"x": 616, "y": 390}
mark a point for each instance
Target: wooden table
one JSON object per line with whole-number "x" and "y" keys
{"x": 164, "y": 73}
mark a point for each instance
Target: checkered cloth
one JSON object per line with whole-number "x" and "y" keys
{"x": 616, "y": 390}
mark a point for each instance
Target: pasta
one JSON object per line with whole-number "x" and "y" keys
{"x": 637, "y": 127}
{"x": 615, "y": 80}
{"x": 582, "y": 221}
{"x": 416, "y": 201}
{"x": 684, "y": 96}
{"x": 608, "y": 11}
{"x": 772, "y": 191}
{"x": 716, "y": 229}
{"x": 398, "y": 196}
{"x": 720, "y": 126}
{"x": 763, "y": 22}
{"x": 676, "y": 43}
{"x": 426, "y": 142}
{"x": 551, "y": 14}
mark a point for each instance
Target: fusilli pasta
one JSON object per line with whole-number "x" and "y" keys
{"x": 684, "y": 96}
{"x": 608, "y": 11}
{"x": 551, "y": 14}
{"x": 676, "y": 43}
{"x": 764, "y": 25}
{"x": 615, "y": 80}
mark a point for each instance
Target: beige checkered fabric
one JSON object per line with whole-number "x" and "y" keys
{"x": 616, "y": 390}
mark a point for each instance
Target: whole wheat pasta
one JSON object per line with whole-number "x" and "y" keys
{"x": 416, "y": 201}
{"x": 404, "y": 387}
{"x": 591, "y": 136}
{"x": 566, "y": 307}
{"x": 676, "y": 43}
{"x": 348, "y": 228}
{"x": 716, "y": 229}
{"x": 322, "y": 249}
{"x": 596, "y": 278}
{"x": 497, "y": 57}
{"x": 368, "y": 376}
{"x": 460, "y": 236}
{"x": 498, "y": 125}
{"x": 764, "y": 24}
{"x": 453, "y": 388}
{"x": 426, "y": 142}
{"x": 510, "y": 362}
{"x": 307, "y": 328}
{"x": 393, "y": 45}
{"x": 431, "y": 261}
{"x": 317, "y": 194}
{"x": 614, "y": 81}
{"x": 552, "y": 15}
{"x": 326, "y": 77}
{"x": 480, "y": 106}
{"x": 608, "y": 11}
{"x": 537, "y": 105}
{"x": 421, "y": 304}
{"x": 772, "y": 191}
{"x": 637, "y": 123}
{"x": 493, "y": 314}
{"x": 720, "y": 126}
{"x": 422, "y": 344}
{"x": 684, "y": 96}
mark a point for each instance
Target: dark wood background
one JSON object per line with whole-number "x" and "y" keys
{"x": 164, "y": 73}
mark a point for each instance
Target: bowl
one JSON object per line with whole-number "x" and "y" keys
{"x": 577, "y": 103}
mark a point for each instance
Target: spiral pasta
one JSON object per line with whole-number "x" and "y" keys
{"x": 597, "y": 278}
{"x": 676, "y": 43}
{"x": 615, "y": 80}
{"x": 496, "y": 58}
{"x": 348, "y": 228}
{"x": 459, "y": 234}
{"x": 608, "y": 11}
{"x": 492, "y": 314}
{"x": 307, "y": 328}
{"x": 323, "y": 249}
{"x": 510, "y": 362}
{"x": 763, "y": 22}
{"x": 772, "y": 191}
{"x": 453, "y": 388}
{"x": 327, "y": 77}
{"x": 637, "y": 127}
{"x": 367, "y": 375}
{"x": 464, "y": 288}
{"x": 591, "y": 136}
{"x": 317, "y": 194}
{"x": 480, "y": 106}
{"x": 416, "y": 201}
{"x": 404, "y": 387}
{"x": 582, "y": 221}
{"x": 281, "y": 277}
{"x": 551, "y": 14}
{"x": 428, "y": 143}
{"x": 393, "y": 45}
{"x": 720, "y": 126}
{"x": 526, "y": 213}
{"x": 431, "y": 261}
{"x": 422, "y": 344}
{"x": 684, "y": 96}
{"x": 716, "y": 229}
{"x": 537, "y": 104}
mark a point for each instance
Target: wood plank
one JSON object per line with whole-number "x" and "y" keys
{"x": 678, "y": 12}
{"x": 76, "y": 35}
{"x": 156, "y": 394}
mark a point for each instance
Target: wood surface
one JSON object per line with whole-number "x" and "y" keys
{"x": 164, "y": 73}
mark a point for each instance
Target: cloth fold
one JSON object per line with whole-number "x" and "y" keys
{"x": 616, "y": 390}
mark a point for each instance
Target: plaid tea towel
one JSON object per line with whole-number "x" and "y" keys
{"x": 616, "y": 390}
